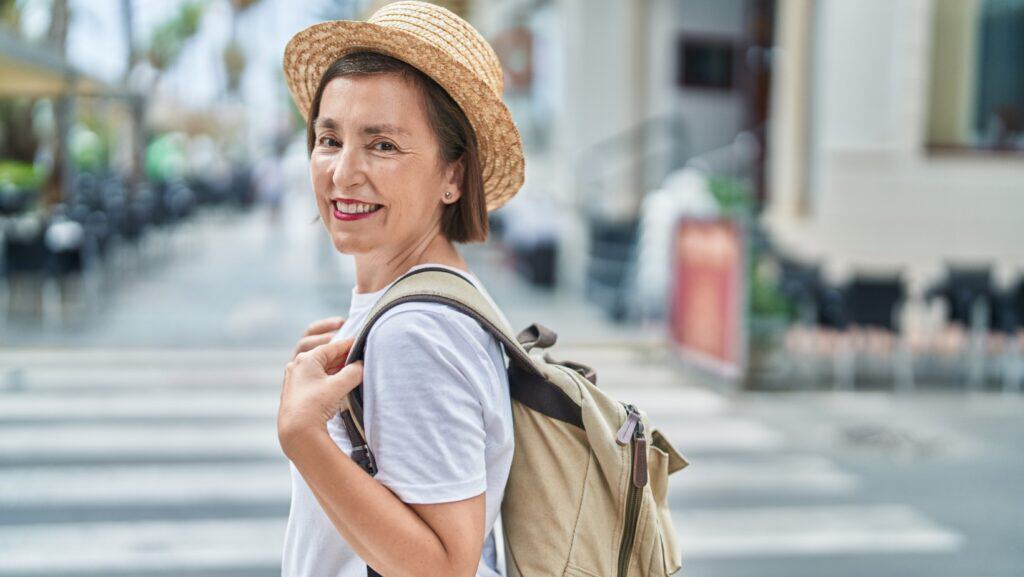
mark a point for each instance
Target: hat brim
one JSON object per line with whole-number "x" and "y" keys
{"x": 312, "y": 50}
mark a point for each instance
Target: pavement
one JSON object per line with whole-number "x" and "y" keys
{"x": 142, "y": 442}
{"x": 233, "y": 279}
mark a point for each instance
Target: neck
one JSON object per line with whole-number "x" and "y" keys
{"x": 376, "y": 271}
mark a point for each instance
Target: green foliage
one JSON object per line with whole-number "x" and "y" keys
{"x": 89, "y": 148}
{"x": 20, "y": 175}
{"x": 732, "y": 194}
{"x": 170, "y": 37}
{"x": 765, "y": 298}
{"x": 10, "y": 15}
{"x": 165, "y": 157}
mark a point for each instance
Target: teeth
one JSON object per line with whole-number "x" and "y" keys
{"x": 359, "y": 208}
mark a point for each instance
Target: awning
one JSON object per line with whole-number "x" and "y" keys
{"x": 27, "y": 70}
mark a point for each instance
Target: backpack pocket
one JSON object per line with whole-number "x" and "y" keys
{"x": 656, "y": 549}
{"x": 649, "y": 553}
{"x": 675, "y": 460}
{"x": 660, "y": 465}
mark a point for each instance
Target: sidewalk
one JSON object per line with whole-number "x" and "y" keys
{"x": 237, "y": 280}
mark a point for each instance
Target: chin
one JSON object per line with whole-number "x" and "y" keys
{"x": 348, "y": 245}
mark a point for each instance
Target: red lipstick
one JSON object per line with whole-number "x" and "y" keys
{"x": 346, "y": 216}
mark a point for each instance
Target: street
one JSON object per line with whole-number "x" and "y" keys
{"x": 145, "y": 443}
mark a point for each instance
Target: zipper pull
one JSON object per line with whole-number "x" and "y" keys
{"x": 627, "y": 428}
{"x": 639, "y": 456}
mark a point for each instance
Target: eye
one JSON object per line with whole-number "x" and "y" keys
{"x": 384, "y": 146}
{"x": 328, "y": 141}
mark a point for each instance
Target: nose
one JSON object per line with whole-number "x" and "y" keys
{"x": 348, "y": 168}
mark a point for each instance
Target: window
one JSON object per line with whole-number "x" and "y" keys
{"x": 977, "y": 75}
{"x": 706, "y": 63}
{"x": 999, "y": 99}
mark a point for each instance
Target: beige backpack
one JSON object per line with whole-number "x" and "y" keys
{"x": 587, "y": 492}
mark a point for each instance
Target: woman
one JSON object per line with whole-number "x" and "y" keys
{"x": 410, "y": 147}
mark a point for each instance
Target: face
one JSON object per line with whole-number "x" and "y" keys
{"x": 374, "y": 145}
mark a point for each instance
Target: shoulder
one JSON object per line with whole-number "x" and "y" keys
{"x": 415, "y": 343}
{"x": 428, "y": 323}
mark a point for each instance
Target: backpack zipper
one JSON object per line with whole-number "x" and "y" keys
{"x": 626, "y": 430}
{"x": 638, "y": 479}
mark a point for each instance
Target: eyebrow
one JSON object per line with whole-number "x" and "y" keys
{"x": 329, "y": 124}
{"x": 384, "y": 129}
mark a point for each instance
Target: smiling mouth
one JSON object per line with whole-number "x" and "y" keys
{"x": 355, "y": 207}
{"x": 353, "y": 211}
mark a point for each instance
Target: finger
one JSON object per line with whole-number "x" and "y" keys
{"x": 346, "y": 344}
{"x": 324, "y": 325}
{"x": 331, "y": 354}
{"x": 349, "y": 376}
{"x": 310, "y": 343}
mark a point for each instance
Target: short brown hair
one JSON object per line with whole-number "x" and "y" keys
{"x": 466, "y": 219}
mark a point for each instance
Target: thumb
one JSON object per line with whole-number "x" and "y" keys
{"x": 329, "y": 355}
{"x": 349, "y": 377}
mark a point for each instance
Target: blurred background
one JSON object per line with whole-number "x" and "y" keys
{"x": 790, "y": 230}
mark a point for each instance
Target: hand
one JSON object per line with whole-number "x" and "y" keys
{"x": 318, "y": 333}
{"x": 311, "y": 395}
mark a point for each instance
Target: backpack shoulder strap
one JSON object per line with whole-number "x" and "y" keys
{"x": 441, "y": 285}
{"x": 431, "y": 284}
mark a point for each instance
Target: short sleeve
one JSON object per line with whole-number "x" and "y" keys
{"x": 422, "y": 408}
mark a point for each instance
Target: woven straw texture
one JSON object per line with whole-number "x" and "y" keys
{"x": 446, "y": 48}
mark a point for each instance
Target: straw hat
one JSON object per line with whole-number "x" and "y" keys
{"x": 443, "y": 46}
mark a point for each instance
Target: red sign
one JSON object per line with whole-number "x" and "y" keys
{"x": 706, "y": 320}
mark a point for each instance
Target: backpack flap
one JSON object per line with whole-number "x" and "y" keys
{"x": 536, "y": 335}
{"x": 675, "y": 460}
{"x": 585, "y": 371}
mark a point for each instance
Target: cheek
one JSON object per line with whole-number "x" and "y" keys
{"x": 319, "y": 174}
{"x": 407, "y": 202}
{"x": 414, "y": 189}
{"x": 321, "y": 182}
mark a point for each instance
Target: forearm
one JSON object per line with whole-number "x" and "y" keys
{"x": 380, "y": 528}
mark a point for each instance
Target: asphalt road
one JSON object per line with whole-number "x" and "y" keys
{"x": 157, "y": 462}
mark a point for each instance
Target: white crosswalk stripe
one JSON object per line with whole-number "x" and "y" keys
{"x": 820, "y": 530}
{"x": 725, "y": 433}
{"x": 131, "y": 378}
{"x": 778, "y": 473}
{"x": 100, "y": 441}
{"x": 71, "y": 548}
{"x": 144, "y": 358}
{"x": 256, "y": 404}
{"x": 66, "y": 486}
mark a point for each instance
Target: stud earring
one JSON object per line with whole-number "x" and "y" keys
{"x": 448, "y": 194}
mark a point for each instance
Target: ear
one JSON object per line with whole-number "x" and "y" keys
{"x": 453, "y": 181}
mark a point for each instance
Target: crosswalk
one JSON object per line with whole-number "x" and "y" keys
{"x": 157, "y": 462}
{"x": 748, "y": 494}
{"x": 138, "y": 547}
{"x": 145, "y": 462}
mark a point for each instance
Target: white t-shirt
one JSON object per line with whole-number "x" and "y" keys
{"x": 437, "y": 416}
